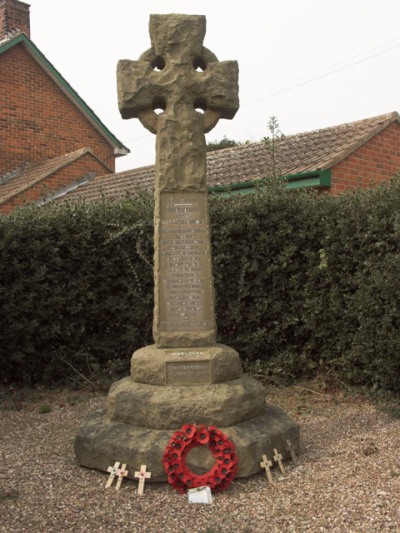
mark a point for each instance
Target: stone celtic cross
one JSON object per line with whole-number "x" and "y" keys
{"x": 179, "y": 90}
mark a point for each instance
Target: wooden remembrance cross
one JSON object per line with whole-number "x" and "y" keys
{"x": 179, "y": 90}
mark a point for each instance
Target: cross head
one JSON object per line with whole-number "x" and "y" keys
{"x": 178, "y": 90}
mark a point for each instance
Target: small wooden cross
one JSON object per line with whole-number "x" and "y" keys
{"x": 290, "y": 449}
{"x": 265, "y": 463}
{"x": 278, "y": 459}
{"x": 142, "y": 475}
{"x": 121, "y": 473}
{"x": 113, "y": 472}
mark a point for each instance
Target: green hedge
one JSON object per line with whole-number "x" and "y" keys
{"x": 305, "y": 283}
{"x": 76, "y": 288}
{"x": 310, "y": 283}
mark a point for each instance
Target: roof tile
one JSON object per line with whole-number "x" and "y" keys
{"x": 304, "y": 152}
{"x": 29, "y": 175}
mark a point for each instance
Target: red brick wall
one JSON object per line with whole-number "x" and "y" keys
{"x": 14, "y": 15}
{"x": 37, "y": 120}
{"x": 374, "y": 162}
{"x": 65, "y": 176}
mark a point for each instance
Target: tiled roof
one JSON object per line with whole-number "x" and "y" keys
{"x": 115, "y": 185}
{"x": 295, "y": 154}
{"x": 20, "y": 180}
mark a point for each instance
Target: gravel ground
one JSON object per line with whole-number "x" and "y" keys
{"x": 347, "y": 479}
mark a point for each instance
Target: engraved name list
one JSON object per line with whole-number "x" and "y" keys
{"x": 186, "y": 286}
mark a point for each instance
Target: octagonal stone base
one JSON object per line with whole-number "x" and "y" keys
{"x": 185, "y": 366}
{"x": 100, "y": 442}
{"x": 155, "y": 407}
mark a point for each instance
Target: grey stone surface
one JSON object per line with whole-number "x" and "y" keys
{"x": 149, "y": 364}
{"x": 166, "y": 74}
{"x": 100, "y": 443}
{"x": 170, "y": 406}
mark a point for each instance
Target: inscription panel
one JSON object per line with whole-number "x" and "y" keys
{"x": 189, "y": 373}
{"x": 186, "y": 298}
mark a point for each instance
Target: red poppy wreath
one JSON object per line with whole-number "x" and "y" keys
{"x": 187, "y": 438}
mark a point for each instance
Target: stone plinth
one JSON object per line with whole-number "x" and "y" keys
{"x": 101, "y": 441}
{"x": 169, "y": 407}
{"x": 185, "y": 366}
{"x": 146, "y": 408}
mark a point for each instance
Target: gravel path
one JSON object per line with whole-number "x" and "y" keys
{"x": 347, "y": 479}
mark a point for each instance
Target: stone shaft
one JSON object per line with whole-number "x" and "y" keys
{"x": 185, "y": 81}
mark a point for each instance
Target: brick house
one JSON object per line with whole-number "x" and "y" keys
{"x": 344, "y": 157}
{"x": 50, "y": 139}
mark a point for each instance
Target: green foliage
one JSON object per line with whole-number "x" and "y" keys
{"x": 76, "y": 286}
{"x": 220, "y": 145}
{"x": 259, "y": 279}
{"x": 272, "y": 143}
{"x": 306, "y": 284}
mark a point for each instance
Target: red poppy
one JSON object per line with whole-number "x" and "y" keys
{"x": 202, "y": 435}
{"x": 188, "y": 430}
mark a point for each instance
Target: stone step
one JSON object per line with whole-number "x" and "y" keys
{"x": 100, "y": 442}
{"x": 185, "y": 366}
{"x": 170, "y": 406}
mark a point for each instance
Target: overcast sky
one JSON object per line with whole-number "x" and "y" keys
{"x": 310, "y": 63}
